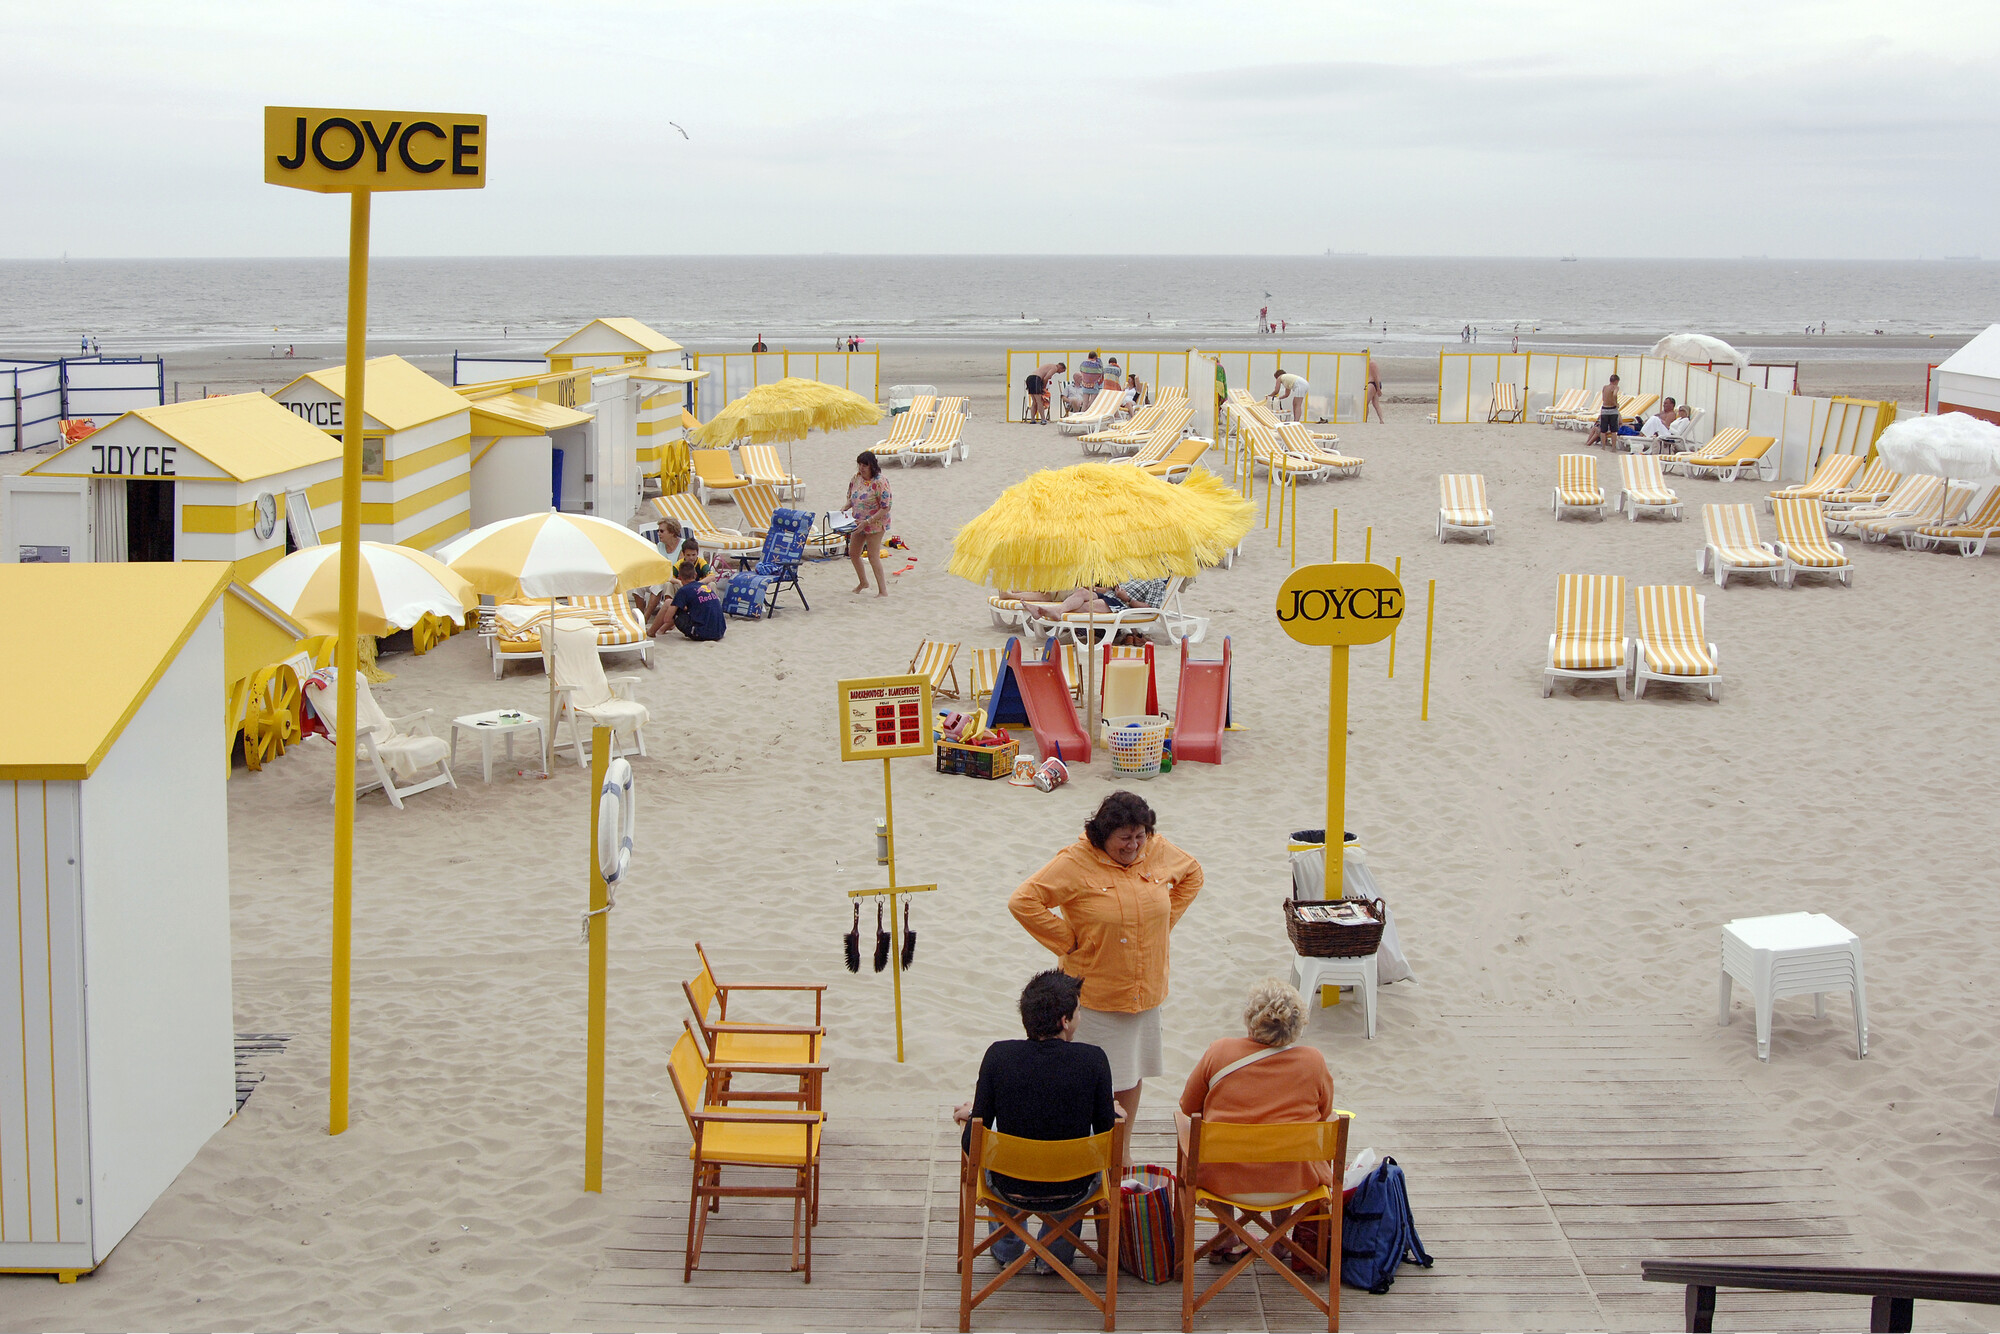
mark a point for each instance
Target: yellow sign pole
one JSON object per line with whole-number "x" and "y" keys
{"x": 1399, "y": 624}
{"x": 600, "y": 955}
{"x": 346, "y": 657}
{"x": 895, "y": 924}
{"x": 1430, "y": 622}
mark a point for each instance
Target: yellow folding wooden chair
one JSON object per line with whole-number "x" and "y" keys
{"x": 933, "y": 659}
{"x": 1505, "y": 405}
{"x": 985, "y": 667}
{"x": 788, "y": 1049}
{"x": 989, "y": 1151}
{"x": 1266, "y": 1232}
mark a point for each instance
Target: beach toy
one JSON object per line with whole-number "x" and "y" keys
{"x": 1137, "y": 744}
{"x": 1052, "y": 775}
{"x": 1024, "y": 774}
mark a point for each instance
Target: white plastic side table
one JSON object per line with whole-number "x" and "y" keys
{"x": 491, "y": 726}
{"x": 1793, "y": 954}
{"x": 1314, "y": 973}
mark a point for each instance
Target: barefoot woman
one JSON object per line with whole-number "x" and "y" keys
{"x": 868, "y": 500}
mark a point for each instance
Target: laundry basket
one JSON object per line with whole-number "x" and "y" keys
{"x": 1136, "y": 744}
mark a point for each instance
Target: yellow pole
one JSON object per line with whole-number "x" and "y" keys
{"x": 1368, "y": 544}
{"x": 600, "y": 946}
{"x": 1336, "y": 533}
{"x": 1399, "y": 625}
{"x": 1336, "y": 784}
{"x": 895, "y": 945}
{"x": 1430, "y": 620}
{"x": 347, "y": 660}
{"x": 1295, "y": 523}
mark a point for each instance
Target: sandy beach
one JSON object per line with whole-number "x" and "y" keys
{"x": 1563, "y": 861}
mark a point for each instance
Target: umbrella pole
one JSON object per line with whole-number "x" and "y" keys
{"x": 549, "y": 643}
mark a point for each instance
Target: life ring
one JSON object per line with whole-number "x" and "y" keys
{"x": 615, "y": 818}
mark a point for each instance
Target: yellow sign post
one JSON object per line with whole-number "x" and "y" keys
{"x": 354, "y": 153}
{"x": 1338, "y": 605}
{"x": 887, "y": 718}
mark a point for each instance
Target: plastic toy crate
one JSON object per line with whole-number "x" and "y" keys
{"x": 977, "y": 761}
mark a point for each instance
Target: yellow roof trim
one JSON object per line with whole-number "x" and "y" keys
{"x": 644, "y": 338}
{"x": 245, "y": 437}
{"x": 88, "y": 644}
{"x": 399, "y": 394}
{"x": 268, "y": 609}
{"x": 517, "y": 414}
{"x": 670, "y": 374}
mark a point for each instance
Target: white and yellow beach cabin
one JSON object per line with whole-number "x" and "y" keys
{"x": 655, "y": 368}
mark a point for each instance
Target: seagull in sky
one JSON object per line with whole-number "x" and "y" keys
{"x": 684, "y": 133}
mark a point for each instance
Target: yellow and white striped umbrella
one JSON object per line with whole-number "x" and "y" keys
{"x": 555, "y": 555}
{"x": 399, "y": 586}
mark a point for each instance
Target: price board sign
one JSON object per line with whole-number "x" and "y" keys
{"x": 884, "y": 717}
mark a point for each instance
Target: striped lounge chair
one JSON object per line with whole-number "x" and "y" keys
{"x": 1731, "y": 545}
{"x": 1875, "y": 485}
{"x": 1968, "y": 535}
{"x": 907, "y": 427}
{"x": 1321, "y": 439}
{"x": 1155, "y": 447}
{"x": 1181, "y": 459}
{"x": 1749, "y": 456}
{"x": 1266, "y": 453}
{"x": 1505, "y": 405}
{"x": 1672, "y": 644}
{"x": 1169, "y": 619}
{"x": 1642, "y": 488}
{"x": 933, "y": 659}
{"x": 1589, "y": 639}
{"x": 695, "y": 523}
{"x": 760, "y": 465}
{"x": 757, "y": 503}
{"x": 1571, "y": 402}
{"x": 620, "y": 627}
{"x": 1834, "y": 471}
{"x": 1803, "y": 543}
{"x": 518, "y": 624}
{"x": 1128, "y": 433}
{"x": 1462, "y": 506}
{"x": 1576, "y": 486}
{"x": 1914, "y": 494}
{"x": 947, "y": 437}
{"x": 1938, "y": 512}
{"x": 952, "y": 405}
{"x": 1303, "y": 444}
{"x": 1008, "y": 613}
{"x": 1096, "y": 416}
{"x": 1634, "y": 407}
{"x": 1719, "y": 444}
{"x": 713, "y": 472}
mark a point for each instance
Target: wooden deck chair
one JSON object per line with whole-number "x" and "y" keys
{"x": 757, "y": 503}
{"x": 620, "y": 627}
{"x": 1505, "y": 404}
{"x": 585, "y": 697}
{"x": 1719, "y": 444}
{"x": 947, "y": 437}
{"x": 1672, "y": 644}
{"x": 695, "y": 523}
{"x": 1589, "y": 639}
{"x": 1133, "y": 430}
{"x": 395, "y": 751}
{"x": 1179, "y": 461}
{"x": 1301, "y": 443}
{"x": 1268, "y": 454}
{"x": 707, "y": 981}
{"x": 1749, "y": 456}
{"x": 1096, "y": 416}
{"x": 980, "y": 1207}
{"x": 732, "y": 1142}
{"x": 797, "y": 1049}
{"x": 1731, "y": 545}
{"x": 1875, "y": 485}
{"x": 1462, "y": 506}
{"x": 1968, "y": 535}
{"x": 761, "y": 465}
{"x": 933, "y": 659}
{"x": 1576, "y": 486}
{"x": 1568, "y": 404}
{"x": 907, "y": 427}
{"x": 1266, "y": 1232}
{"x": 1643, "y": 489}
{"x": 1803, "y": 544}
{"x": 714, "y": 472}
{"x": 1915, "y": 494}
{"x": 1834, "y": 471}
{"x": 985, "y": 667}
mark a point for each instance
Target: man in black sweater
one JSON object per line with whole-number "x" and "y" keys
{"x": 1042, "y": 1088}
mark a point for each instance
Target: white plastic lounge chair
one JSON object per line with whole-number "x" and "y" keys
{"x": 1644, "y": 490}
{"x": 1170, "y": 620}
{"x": 1834, "y": 471}
{"x": 1266, "y": 453}
{"x": 761, "y": 465}
{"x": 712, "y": 470}
{"x": 1751, "y": 455}
{"x": 1576, "y": 486}
{"x": 1097, "y": 416}
{"x": 1672, "y": 645}
{"x": 757, "y": 504}
{"x": 907, "y": 427}
{"x": 1571, "y": 402}
{"x": 1303, "y": 444}
{"x": 1721, "y": 443}
{"x": 1875, "y": 485}
{"x": 1589, "y": 638}
{"x": 1462, "y": 506}
{"x": 1969, "y": 535}
{"x": 1934, "y": 513}
{"x": 945, "y": 439}
{"x": 1126, "y": 434}
{"x": 695, "y": 523}
{"x": 395, "y": 751}
{"x": 1916, "y": 493}
{"x": 1803, "y": 542}
{"x": 585, "y": 697}
{"x": 1731, "y": 545}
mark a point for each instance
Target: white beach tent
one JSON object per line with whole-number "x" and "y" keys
{"x": 1699, "y": 350}
{"x": 1968, "y": 380}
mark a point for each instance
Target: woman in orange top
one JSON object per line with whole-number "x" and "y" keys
{"x": 1105, "y": 905}
{"x": 1283, "y": 1083}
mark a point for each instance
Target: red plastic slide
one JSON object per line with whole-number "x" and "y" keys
{"x": 1201, "y": 709}
{"x": 1051, "y": 712}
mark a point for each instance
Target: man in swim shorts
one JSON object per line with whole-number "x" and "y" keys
{"x": 1606, "y": 429}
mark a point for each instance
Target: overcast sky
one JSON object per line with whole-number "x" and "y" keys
{"x": 1509, "y": 127}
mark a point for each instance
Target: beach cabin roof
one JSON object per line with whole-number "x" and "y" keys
{"x": 256, "y": 632}
{"x": 238, "y": 437}
{"x": 518, "y": 414}
{"x": 613, "y": 333}
{"x": 1979, "y": 357}
{"x": 400, "y": 395}
{"x": 668, "y": 374}
{"x": 86, "y": 644}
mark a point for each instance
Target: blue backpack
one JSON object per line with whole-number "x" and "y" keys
{"x": 1378, "y": 1232}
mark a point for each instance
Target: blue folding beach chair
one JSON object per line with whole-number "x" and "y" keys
{"x": 775, "y": 569}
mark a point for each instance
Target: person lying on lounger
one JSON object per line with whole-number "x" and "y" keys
{"x": 1098, "y": 600}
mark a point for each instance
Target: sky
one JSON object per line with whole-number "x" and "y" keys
{"x": 1504, "y": 127}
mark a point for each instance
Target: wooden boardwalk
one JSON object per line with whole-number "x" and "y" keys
{"x": 1593, "y": 1145}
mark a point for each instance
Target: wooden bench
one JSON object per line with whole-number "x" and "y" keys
{"x": 1894, "y": 1292}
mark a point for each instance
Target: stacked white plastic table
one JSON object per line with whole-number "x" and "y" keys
{"x": 1793, "y": 954}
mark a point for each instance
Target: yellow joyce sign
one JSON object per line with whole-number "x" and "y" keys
{"x": 334, "y": 151}
{"x": 1347, "y": 602}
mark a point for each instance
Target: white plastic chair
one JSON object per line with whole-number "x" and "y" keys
{"x": 583, "y": 691}
{"x": 389, "y": 746}
{"x": 1793, "y": 954}
{"x": 1313, "y": 973}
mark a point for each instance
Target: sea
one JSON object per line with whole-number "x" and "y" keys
{"x": 807, "y": 302}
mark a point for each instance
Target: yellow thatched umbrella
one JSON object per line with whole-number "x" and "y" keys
{"x": 785, "y": 410}
{"x": 1099, "y": 523}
